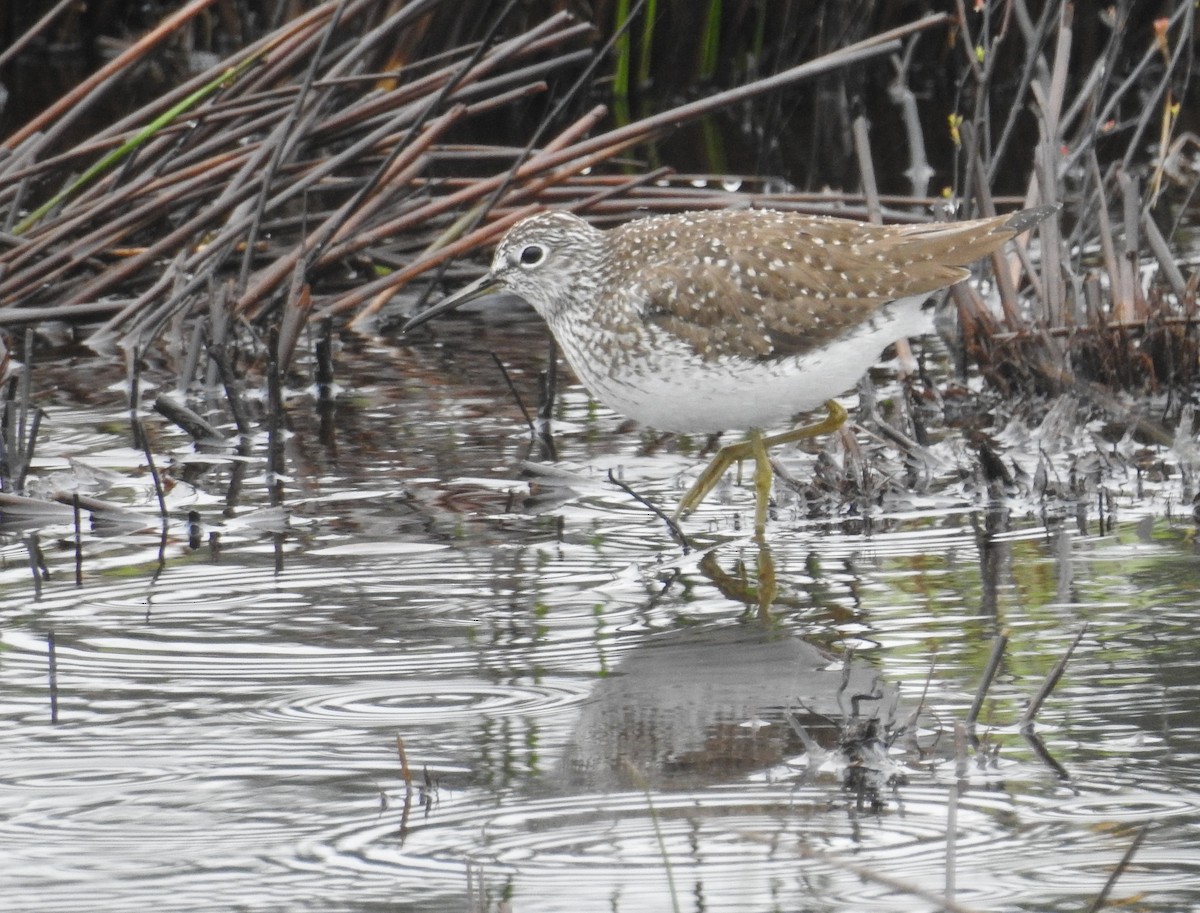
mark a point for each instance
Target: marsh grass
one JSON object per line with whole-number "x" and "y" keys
{"x": 356, "y": 150}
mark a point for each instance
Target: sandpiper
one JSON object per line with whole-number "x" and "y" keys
{"x": 731, "y": 319}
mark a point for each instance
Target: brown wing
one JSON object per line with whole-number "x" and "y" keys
{"x": 767, "y": 284}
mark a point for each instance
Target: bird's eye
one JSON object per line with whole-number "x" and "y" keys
{"x": 532, "y": 255}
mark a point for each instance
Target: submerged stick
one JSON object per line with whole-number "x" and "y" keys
{"x": 1051, "y": 680}
{"x": 1102, "y": 898}
{"x": 672, "y": 526}
{"x": 77, "y": 518}
{"x": 140, "y": 434}
{"x": 52, "y": 674}
{"x": 193, "y": 423}
{"x": 999, "y": 642}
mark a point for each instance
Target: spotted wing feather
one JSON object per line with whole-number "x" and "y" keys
{"x": 764, "y": 285}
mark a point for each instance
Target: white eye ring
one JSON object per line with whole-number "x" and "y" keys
{"x": 531, "y": 255}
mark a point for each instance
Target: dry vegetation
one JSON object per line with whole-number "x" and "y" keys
{"x": 345, "y": 150}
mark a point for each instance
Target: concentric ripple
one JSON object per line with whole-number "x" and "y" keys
{"x": 405, "y": 703}
{"x": 720, "y": 844}
{"x": 590, "y": 716}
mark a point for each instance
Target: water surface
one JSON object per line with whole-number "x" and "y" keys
{"x": 592, "y": 717}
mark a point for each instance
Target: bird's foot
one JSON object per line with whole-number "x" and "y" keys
{"x": 756, "y": 448}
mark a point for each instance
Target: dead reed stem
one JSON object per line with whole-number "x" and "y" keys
{"x": 344, "y": 141}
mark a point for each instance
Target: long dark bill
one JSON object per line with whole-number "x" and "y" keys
{"x": 477, "y": 289}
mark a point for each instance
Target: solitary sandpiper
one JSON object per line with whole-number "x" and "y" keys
{"x": 734, "y": 319}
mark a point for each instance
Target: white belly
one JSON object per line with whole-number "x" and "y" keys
{"x": 681, "y": 392}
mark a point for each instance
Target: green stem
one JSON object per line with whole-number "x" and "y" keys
{"x": 137, "y": 140}
{"x": 624, "y": 51}
{"x": 711, "y": 41}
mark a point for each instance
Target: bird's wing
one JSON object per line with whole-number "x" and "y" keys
{"x": 786, "y": 287}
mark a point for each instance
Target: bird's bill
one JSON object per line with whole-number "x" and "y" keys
{"x": 484, "y": 285}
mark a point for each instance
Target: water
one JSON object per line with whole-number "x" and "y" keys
{"x": 591, "y": 718}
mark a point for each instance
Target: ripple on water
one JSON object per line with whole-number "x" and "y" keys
{"x": 719, "y": 844}
{"x": 177, "y": 667}
{"x": 1122, "y": 804}
{"x": 226, "y": 725}
{"x": 432, "y": 699}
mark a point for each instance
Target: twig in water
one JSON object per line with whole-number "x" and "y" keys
{"x": 999, "y": 642}
{"x": 220, "y": 357}
{"x": 672, "y": 526}
{"x": 37, "y": 563}
{"x": 547, "y": 392}
{"x": 191, "y": 358}
{"x": 516, "y": 395}
{"x": 872, "y": 876}
{"x": 1051, "y": 680}
{"x": 194, "y": 528}
{"x": 960, "y": 750}
{"x": 325, "y": 361}
{"x": 909, "y": 727}
{"x": 26, "y": 388}
{"x": 52, "y": 664}
{"x": 658, "y": 834}
{"x": 1102, "y": 897}
{"x": 1044, "y": 756}
{"x": 326, "y": 404}
{"x": 140, "y": 434}
{"x": 405, "y": 772}
{"x": 952, "y": 842}
{"x": 19, "y": 433}
{"x": 296, "y": 308}
{"x": 191, "y": 422}
{"x": 27, "y": 449}
{"x": 275, "y": 456}
{"x": 78, "y": 540}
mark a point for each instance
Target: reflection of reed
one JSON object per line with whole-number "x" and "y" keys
{"x": 706, "y": 705}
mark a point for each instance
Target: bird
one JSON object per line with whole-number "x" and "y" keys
{"x": 725, "y": 320}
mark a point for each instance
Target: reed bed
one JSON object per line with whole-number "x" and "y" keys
{"x": 360, "y": 149}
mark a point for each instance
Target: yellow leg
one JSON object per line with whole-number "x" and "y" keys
{"x": 762, "y": 482}
{"x": 756, "y": 447}
{"x": 767, "y": 586}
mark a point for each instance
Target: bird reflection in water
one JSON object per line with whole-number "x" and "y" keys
{"x": 706, "y": 705}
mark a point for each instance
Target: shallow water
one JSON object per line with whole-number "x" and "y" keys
{"x": 593, "y": 718}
